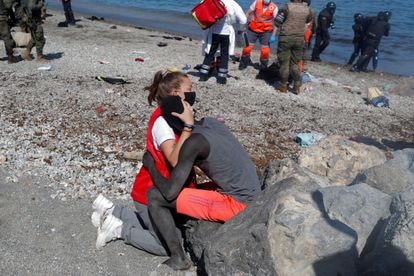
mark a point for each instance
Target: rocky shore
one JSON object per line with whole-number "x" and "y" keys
{"x": 66, "y": 136}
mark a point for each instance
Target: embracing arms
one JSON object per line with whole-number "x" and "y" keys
{"x": 196, "y": 147}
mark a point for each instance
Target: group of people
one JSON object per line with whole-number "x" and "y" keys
{"x": 292, "y": 26}
{"x": 165, "y": 188}
{"x": 368, "y": 32}
{"x": 29, "y": 14}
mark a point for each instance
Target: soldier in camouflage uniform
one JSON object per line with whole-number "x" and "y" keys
{"x": 291, "y": 20}
{"x": 5, "y": 9}
{"x": 32, "y": 10}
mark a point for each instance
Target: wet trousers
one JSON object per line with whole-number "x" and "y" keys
{"x": 137, "y": 229}
{"x": 67, "y": 8}
{"x": 321, "y": 42}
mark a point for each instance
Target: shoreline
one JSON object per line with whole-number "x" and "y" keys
{"x": 185, "y": 26}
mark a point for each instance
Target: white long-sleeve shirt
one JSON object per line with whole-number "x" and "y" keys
{"x": 234, "y": 15}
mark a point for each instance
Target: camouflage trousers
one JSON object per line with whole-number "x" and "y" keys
{"x": 289, "y": 53}
{"x": 6, "y": 36}
{"x": 38, "y": 39}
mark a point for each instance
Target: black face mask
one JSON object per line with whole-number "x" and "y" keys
{"x": 190, "y": 97}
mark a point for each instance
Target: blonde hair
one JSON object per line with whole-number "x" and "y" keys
{"x": 163, "y": 83}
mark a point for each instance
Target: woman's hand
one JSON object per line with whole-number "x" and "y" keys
{"x": 187, "y": 117}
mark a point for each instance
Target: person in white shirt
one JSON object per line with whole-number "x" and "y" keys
{"x": 221, "y": 37}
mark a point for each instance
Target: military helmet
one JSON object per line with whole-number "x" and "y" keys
{"x": 331, "y": 6}
{"x": 388, "y": 15}
{"x": 358, "y": 17}
{"x": 381, "y": 16}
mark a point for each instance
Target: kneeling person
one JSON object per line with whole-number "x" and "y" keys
{"x": 217, "y": 152}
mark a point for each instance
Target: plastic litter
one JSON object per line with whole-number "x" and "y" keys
{"x": 100, "y": 109}
{"x": 305, "y": 78}
{"x": 162, "y": 44}
{"x": 103, "y": 61}
{"x": 186, "y": 67}
{"x": 140, "y": 59}
{"x": 307, "y": 139}
{"x": 111, "y": 80}
{"x": 378, "y": 98}
{"x": 45, "y": 68}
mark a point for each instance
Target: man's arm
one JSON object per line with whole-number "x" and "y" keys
{"x": 195, "y": 147}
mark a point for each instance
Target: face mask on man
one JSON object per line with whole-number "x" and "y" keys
{"x": 190, "y": 97}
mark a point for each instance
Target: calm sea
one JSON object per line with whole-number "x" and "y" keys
{"x": 396, "y": 51}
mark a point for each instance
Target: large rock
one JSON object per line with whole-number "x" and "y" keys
{"x": 340, "y": 159}
{"x": 283, "y": 232}
{"x": 392, "y": 176}
{"x": 359, "y": 206}
{"x": 393, "y": 253}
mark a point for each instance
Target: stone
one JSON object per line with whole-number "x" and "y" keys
{"x": 392, "y": 176}
{"x": 284, "y": 231}
{"x": 360, "y": 207}
{"x": 340, "y": 159}
{"x": 393, "y": 252}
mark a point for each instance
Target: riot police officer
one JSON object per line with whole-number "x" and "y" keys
{"x": 359, "y": 31}
{"x": 325, "y": 21}
{"x": 375, "y": 29}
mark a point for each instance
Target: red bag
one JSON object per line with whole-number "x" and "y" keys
{"x": 208, "y": 12}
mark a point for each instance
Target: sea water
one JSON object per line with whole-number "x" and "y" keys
{"x": 396, "y": 54}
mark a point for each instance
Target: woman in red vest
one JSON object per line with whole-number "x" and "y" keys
{"x": 134, "y": 227}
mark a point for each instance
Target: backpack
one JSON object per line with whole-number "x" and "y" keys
{"x": 208, "y": 12}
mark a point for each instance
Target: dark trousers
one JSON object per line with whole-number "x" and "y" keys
{"x": 223, "y": 41}
{"x": 357, "y": 51}
{"x": 368, "y": 52}
{"x": 6, "y": 37}
{"x": 321, "y": 42}
{"x": 67, "y": 7}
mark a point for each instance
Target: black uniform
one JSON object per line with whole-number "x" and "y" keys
{"x": 375, "y": 28}
{"x": 359, "y": 31}
{"x": 325, "y": 20}
{"x": 67, "y": 7}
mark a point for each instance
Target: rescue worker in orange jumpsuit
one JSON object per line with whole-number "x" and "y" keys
{"x": 263, "y": 13}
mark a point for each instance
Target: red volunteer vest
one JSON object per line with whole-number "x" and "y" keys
{"x": 262, "y": 21}
{"x": 143, "y": 181}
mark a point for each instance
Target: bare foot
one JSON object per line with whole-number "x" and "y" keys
{"x": 178, "y": 263}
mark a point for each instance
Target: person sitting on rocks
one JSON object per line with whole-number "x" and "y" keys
{"x": 134, "y": 226}
{"x": 217, "y": 152}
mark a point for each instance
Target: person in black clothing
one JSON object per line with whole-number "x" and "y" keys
{"x": 359, "y": 31}
{"x": 67, "y": 8}
{"x": 375, "y": 56}
{"x": 375, "y": 28}
{"x": 325, "y": 21}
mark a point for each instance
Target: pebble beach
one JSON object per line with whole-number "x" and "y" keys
{"x": 79, "y": 136}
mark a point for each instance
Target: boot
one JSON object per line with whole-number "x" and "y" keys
{"x": 296, "y": 87}
{"x": 282, "y": 87}
{"x": 26, "y": 55}
{"x": 11, "y": 59}
{"x": 263, "y": 63}
{"x": 244, "y": 61}
{"x": 41, "y": 58}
